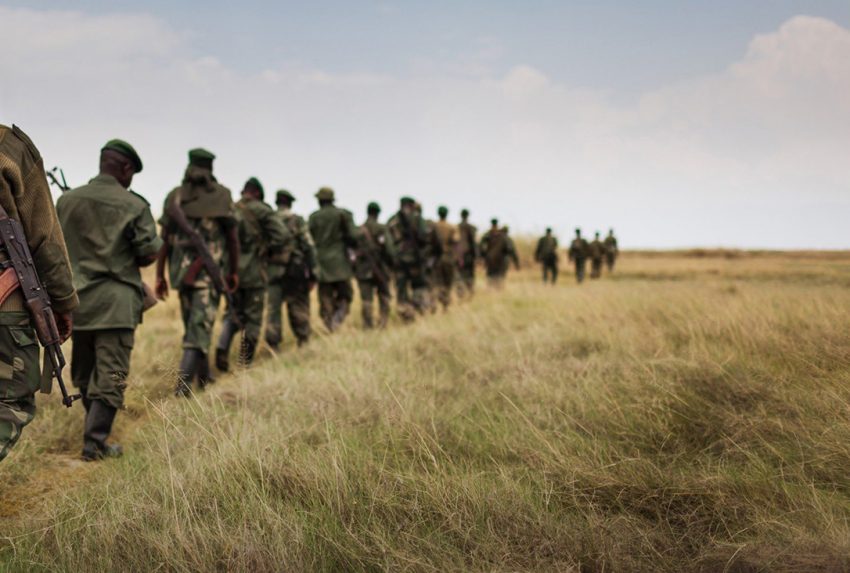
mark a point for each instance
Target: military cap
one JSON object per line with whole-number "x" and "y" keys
{"x": 548, "y": 229}
{"x": 125, "y": 149}
{"x": 254, "y": 182}
{"x": 325, "y": 194}
{"x": 464, "y": 213}
{"x": 373, "y": 208}
{"x": 494, "y": 222}
{"x": 408, "y": 200}
{"x": 200, "y": 157}
{"x": 284, "y": 196}
{"x": 442, "y": 210}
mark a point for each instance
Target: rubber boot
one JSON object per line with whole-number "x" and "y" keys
{"x": 205, "y": 377}
{"x": 98, "y": 426}
{"x": 186, "y": 374}
{"x": 222, "y": 351}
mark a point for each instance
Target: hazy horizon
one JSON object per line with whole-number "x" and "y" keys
{"x": 680, "y": 124}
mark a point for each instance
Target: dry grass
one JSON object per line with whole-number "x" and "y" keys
{"x": 687, "y": 414}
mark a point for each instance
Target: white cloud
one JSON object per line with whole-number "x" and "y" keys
{"x": 740, "y": 157}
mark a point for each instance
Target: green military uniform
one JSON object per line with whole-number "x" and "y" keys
{"x": 373, "y": 268}
{"x": 409, "y": 235}
{"x": 596, "y": 251}
{"x": 334, "y": 233}
{"x": 208, "y": 207}
{"x": 577, "y": 253}
{"x": 432, "y": 253}
{"x": 611, "y": 250}
{"x": 447, "y": 236}
{"x": 467, "y": 256}
{"x": 546, "y": 254}
{"x": 109, "y": 232}
{"x": 292, "y": 272}
{"x": 260, "y": 232}
{"x": 497, "y": 250}
{"x": 25, "y": 196}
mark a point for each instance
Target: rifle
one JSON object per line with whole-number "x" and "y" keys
{"x": 36, "y": 300}
{"x": 377, "y": 271}
{"x": 62, "y": 185}
{"x": 205, "y": 259}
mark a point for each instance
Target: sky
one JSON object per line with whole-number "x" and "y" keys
{"x": 678, "y": 123}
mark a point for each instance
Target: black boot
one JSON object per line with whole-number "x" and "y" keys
{"x": 222, "y": 359}
{"x": 188, "y": 368}
{"x": 205, "y": 377}
{"x": 97, "y": 429}
{"x": 222, "y": 351}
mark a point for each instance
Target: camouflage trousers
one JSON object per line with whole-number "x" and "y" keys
{"x": 19, "y": 377}
{"x": 596, "y": 268}
{"x": 369, "y": 288}
{"x": 411, "y": 291}
{"x": 198, "y": 308}
{"x": 100, "y": 363}
{"x": 249, "y": 304}
{"x": 295, "y": 294}
{"x": 334, "y": 303}
{"x": 466, "y": 280}
{"x": 550, "y": 270}
{"x": 580, "y": 269}
{"x": 444, "y": 275}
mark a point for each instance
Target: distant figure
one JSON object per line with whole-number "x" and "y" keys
{"x": 597, "y": 255}
{"x": 577, "y": 253}
{"x": 611, "y": 250}
{"x": 444, "y": 270}
{"x": 375, "y": 255}
{"x": 409, "y": 235}
{"x": 467, "y": 256}
{"x": 497, "y": 249}
{"x": 334, "y": 234}
{"x": 547, "y": 255}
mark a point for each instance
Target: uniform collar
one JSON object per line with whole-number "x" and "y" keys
{"x": 103, "y": 178}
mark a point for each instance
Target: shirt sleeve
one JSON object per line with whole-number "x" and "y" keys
{"x": 143, "y": 236}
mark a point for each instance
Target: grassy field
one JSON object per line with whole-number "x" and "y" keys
{"x": 689, "y": 413}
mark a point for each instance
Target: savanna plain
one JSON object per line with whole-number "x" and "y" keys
{"x": 690, "y": 412}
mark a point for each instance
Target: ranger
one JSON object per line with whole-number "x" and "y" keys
{"x": 409, "y": 235}
{"x": 25, "y": 198}
{"x": 198, "y": 216}
{"x": 260, "y": 231}
{"x": 546, "y": 254}
{"x": 335, "y": 236}
{"x": 448, "y": 238}
{"x": 577, "y": 253}
{"x": 375, "y": 255}
{"x": 497, "y": 249}
{"x": 596, "y": 252}
{"x": 110, "y": 234}
{"x": 611, "y": 250}
{"x": 292, "y": 275}
{"x": 467, "y": 255}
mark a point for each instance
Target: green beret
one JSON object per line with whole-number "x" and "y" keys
{"x": 200, "y": 157}
{"x": 125, "y": 149}
{"x": 408, "y": 200}
{"x": 254, "y": 182}
{"x": 494, "y": 222}
{"x": 373, "y": 208}
{"x": 442, "y": 210}
{"x": 464, "y": 213}
{"x": 325, "y": 194}
{"x": 284, "y": 196}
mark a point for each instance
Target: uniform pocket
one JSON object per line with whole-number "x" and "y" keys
{"x": 19, "y": 368}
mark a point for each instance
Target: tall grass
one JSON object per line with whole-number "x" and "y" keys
{"x": 695, "y": 423}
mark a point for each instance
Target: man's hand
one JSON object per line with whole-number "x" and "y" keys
{"x": 233, "y": 282}
{"x": 65, "y": 324}
{"x": 161, "y": 288}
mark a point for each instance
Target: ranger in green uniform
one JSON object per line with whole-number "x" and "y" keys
{"x": 260, "y": 232}
{"x": 292, "y": 275}
{"x": 611, "y": 250}
{"x": 110, "y": 234}
{"x": 546, "y": 254}
{"x": 334, "y": 235}
{"x": 373, "y": 267}
{"x": 409, "y": 235}
{"x": 208, "y": 208}
{"x": 25, "y": 196}
{"x": 467, "y": 255}
{"x": 497, "y": 250}
{"x": 577, "y": 253}
{"x": 447, "y": 237}
{"x": 596, "y": 251}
